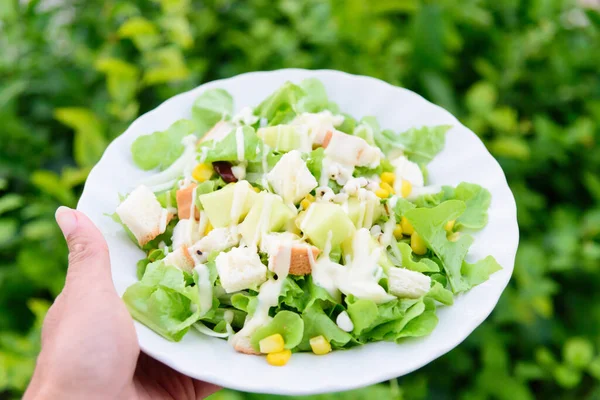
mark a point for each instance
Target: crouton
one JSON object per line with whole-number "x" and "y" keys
{"x": 184, "y": 202}
{"x": 180, "y": 258}
{"x": 143, "y": 215}
{"x": 239, "y": 269}
{"x": 300, "y": 257}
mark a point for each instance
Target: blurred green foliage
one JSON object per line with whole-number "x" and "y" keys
{"x": 523, "y": 74}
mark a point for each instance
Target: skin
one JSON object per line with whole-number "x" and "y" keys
{"x": 89, "y": 344}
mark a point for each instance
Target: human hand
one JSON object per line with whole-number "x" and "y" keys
{"x": 89, "y": 344}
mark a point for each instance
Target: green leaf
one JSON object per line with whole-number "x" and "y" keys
{"x": 477, "y": 200}
{"x": 317, "y": 323}
{"x": 161, "y": 149}
{"x": 282, "y": 100}
{"x": 578, "y": 352}
{"x": 429, "y": 224}
{"x": 421, "y": 325}
{"x": 143, "y": 32}
{"x": 163, "y": 302}
{"x": 314, "y": 162}
{"x": 422, "y": 265}
{"x": 89, "y": 142}
{"x": 315, "y": 98}
{"x": 210, "y": 107}
{"x": 288, "y": 324}
{"x": 421, "y": 145}
{"x": 227, "y": 148}
{"x": 479, "y": 272}
{"x": 441, "y": 294}
{"x": 10, "y": 202}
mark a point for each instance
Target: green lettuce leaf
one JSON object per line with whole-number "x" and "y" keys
{"x": 422, "y": 324}
{"x": 163, "y": 302}
{"x": 408, "y": 262}
{"x": 420, "y": 145}
{"x": 390, "y": 330}
{"x": 441, "y": 294}
{"x": 368, "y": 129}
{"x": 348, "y": 125}
{"x": 161, "y": 149}
{"x": 227, "y": 150}
{"x": 211, "y": 107}
{"x": 283, "y": 100}
{"x": 288, "y": 324}
{"x": 478, "y": 201}
{"x": 429, "y": 224}
{"x": 244, "y": 302}
{"x": 315, "y": 98}
{"x": 316, "y": 323}
{"x": 293, "y": 295}
{"x": 402, "y": 205}
{"x": 480, "y": 271}
{"x": 314, "y": 162}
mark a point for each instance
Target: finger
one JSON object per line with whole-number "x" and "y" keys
{"x": 89, "y": 262}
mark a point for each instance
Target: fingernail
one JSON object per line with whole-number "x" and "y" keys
{"x": 66, "y": 220}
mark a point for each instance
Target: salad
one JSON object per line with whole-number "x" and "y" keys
{"x": 294, "y": 227}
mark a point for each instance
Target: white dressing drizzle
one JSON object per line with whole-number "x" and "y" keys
{"x": 240, "y": 191}
{"x": 239, "y": 141}
{"x": 358, "y": 277}
{"x": 167, "y": 178}
{"x": 268, "y": 294}
{"x": 204, "y": 288}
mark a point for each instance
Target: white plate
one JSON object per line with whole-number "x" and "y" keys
{"x": 464, "y": 159}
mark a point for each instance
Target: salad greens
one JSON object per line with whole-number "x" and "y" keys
{"x": 292, "y": 226}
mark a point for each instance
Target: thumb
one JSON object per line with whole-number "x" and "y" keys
{"x": 89, "y": 261}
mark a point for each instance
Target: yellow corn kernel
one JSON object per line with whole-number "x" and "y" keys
{"x": 388, "y": 177}
{"x": 453, "y": 237}
{"x": 209, "y": 228}
{"x": 202, "y": 172}
{"x": 406, "y": 188}
{"x": 417, "y": 244}
{"x": 257, "y": 190}
{"x": 407, "y": 228}
{"x": 310, "y": 197}
{"x": 271, "y": 344}
{"x": 382, "y": 193}
{"x": 398, "y": 231}
{"x": 386, "y": 186}
{"x": 280, "y": 358}
{"x": 305, "y": 203}
{"x": 320, "y": 345}
{"x": 449, "y": 225}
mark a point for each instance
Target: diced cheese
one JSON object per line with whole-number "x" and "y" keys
{"x": 407, "y": 170}
{"x": 291, "y": 179}
{"x": 186, "y": 233}
{"x": 405, "y": 283}
{"x": 218, "y": 239}
{"x": 240, "y": 268}
{"x": 181, "y": 259}
{"x": 351, "y": 150}
{"x": 318, "y": 124}
{"x": 143, "y": 215}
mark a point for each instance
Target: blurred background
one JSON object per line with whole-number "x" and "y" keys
{"x": 523, "y": 74}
